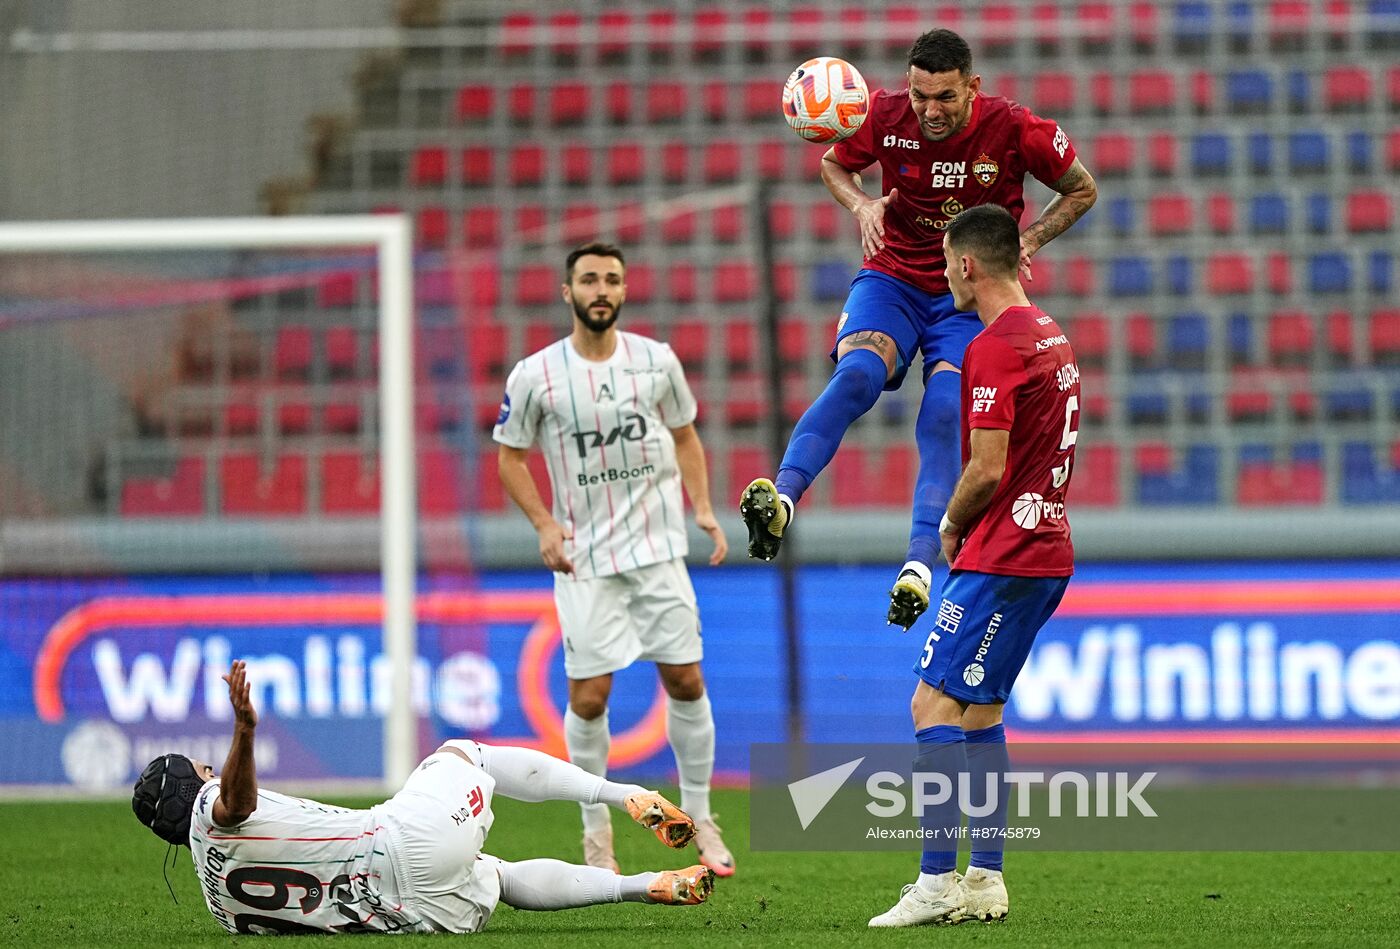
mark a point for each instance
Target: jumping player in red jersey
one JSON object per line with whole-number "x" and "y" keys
{"x": 1006, "y": 537}
{"x": 270, "y": 863}
{"x": 942, "y": 146}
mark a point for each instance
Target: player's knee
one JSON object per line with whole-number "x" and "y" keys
{"x": 859, "y": 378}
{"x": 684, "y": 683}
{"x": 588, "y": 707}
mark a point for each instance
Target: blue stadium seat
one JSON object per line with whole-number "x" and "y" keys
{"x": 1122, "y": 215}
{"x": 1361, "y": 481}
{"x": 1348, "y": 397}
{"x": 1195, "y": 483}
{"x": 1148, "y": 402}
{"x": 1380, "y": 272}
{"x": 1329, "y": 272}
{"x": 1239, "y": 329}
{"x": 831, "y": 280}
{"x": 1239, "y": 21}
{"x": 1129, "y": 276}
{"x": 1309, "y": 452}
{"x": 1249, "y": 90}
{"x": 1360, "y": 152}
{"x": 1188, "y": 340}
{"x": 1268, "y": 213}
{"x": 1211, "y": 154}
{"x": 1192, "y": 29}
{"x": 1308, "y": 152}
{"x": 1318, "y": 212}
{"x": 1180, "y": 275}
{"x": 1385, "y": 24}
{"x": 1259, "y": 148}
{"x": 1299, "y": 91}
{"x": 1255, "y": 454}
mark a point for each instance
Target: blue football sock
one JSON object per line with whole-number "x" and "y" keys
{"x": 938, "y": 434}
{"x": 942, "y": 750}
{"x": 987, "y": 755}
{"x": 850, "y": 393}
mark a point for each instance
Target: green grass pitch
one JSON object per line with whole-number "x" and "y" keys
{"x": 87, "y": 874}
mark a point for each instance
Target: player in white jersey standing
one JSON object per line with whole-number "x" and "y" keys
{"x": 616, "y": 421}
{"x": 270, "y": 863}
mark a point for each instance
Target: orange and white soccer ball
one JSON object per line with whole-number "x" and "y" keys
{"x": 825, "y": 99}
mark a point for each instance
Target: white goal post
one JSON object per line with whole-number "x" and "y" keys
{"x": 390, "y": 236}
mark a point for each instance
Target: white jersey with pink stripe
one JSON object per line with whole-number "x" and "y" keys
{"x": 605, "y": 431}
{"x": 297, "y": 865}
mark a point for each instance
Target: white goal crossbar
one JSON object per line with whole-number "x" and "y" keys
{"x": 390, "y": 236}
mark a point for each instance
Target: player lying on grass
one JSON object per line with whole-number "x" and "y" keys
{"x": 270, "y": 863}
{"x": 1006, "y": 537}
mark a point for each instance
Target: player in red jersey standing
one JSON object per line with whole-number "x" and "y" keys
{"x": 1006, "y": 537}
{"x": 942, "y": 146}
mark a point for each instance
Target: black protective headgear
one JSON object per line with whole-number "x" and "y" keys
{"x": 163, "y": 798}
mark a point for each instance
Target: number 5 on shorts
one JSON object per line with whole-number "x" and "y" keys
{"x": 928, "y": 649}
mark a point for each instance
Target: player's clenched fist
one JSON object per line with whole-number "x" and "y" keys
{"x": 871, "y": 215}
{"x": 552, "y": 537}
{"x": 240, "y": 695}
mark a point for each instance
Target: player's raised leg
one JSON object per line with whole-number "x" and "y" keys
{"x": 553, "y": 885}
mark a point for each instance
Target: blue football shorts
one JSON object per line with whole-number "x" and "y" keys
{"x": 983, "y": 632}
{"x": 915, "y": 320}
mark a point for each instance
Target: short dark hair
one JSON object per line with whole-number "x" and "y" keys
{"x": 598, "y": 248}
{"x": 989, "y": 233}
{"x": 941, "y": 51}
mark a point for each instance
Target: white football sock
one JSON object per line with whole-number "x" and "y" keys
{"x": 588, "y": 742}
{"x": 935, "y": 883}
{"x": 920, "y": 570}
{"x": 529, "y": 775}
{"x": 690, "y": 726}
{"x": 554, "y": 884}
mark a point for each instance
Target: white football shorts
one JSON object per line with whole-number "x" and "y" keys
{"x": 646, "y": 613}
{"x": 437, "y": 825}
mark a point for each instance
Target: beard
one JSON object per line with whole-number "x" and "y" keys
{"x": 596, "y": 325}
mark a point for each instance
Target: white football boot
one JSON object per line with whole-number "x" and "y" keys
{"x": 985, "y": 894}
{"x": 918, "y": 908}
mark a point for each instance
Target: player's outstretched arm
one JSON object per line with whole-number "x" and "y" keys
{"x": 520, "y": 485}
{"x": 690, "y": 457}
{"x": 1077, "y": 194}
{"x": 238, "y": 785}
{"x": 844, "y": 186}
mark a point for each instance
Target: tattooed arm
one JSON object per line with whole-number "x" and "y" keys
{"x": 1077, "y": 194}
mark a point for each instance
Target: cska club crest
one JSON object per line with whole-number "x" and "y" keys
{"x": 985, "y": 170}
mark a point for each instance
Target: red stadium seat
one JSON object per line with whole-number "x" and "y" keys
{"x": 1080, "y": 278}
{"x": 746, "y": 462}
{"x": 682, "y": 282}
{"x": 744, "y": 402}
{"x": 851, "y": 477}
{"x": 569, "y": 103}
{"x": 691, "y": 341}
{"x": 1113, "y": 154}
{"x": 431, "y": 227}
{"x": 641, "y": 283}
{"x": 1045, "y": 27}
{"x": 582, "y": 222}
{"x": 242, "y": 415}
{"x": 1142, "y": 19}
{"x": 1230, "y": 273}
{"x": 291, "y": 357}
{"x": 526, "y": 166}
{"x": 1151, "y": 92}
{"x": 675, "y": 163}
{"x": 1203, "y": 92}
{"x": 734, "y": 281}
{"x": 710, "y": 26}
{"x": 771, "y": 160}
{"x": 727, "y": 223}
{"x": 1089, "y": 334}
{"x": 531, "y": 222}
{"x": 1142, "y": 339}
{"x": 1169, "y": 214}
{"x": 341, "y": 418}
{"x": 1289, "y": 24}
{"x": 1346, "y": 88}
{"x": 714, "y": 102}
{"x": 349, "y": 483}
{"x": 478, "y": 166}
{"x": 342, "y": 352}
{"x": 1094, "y": 482}
{"x": 762, "y": 99}
{"x": 1053, "y": 93}
{"x": 181, "y": 494}
{"x": 626, "y": 163}
{"x": 1153, "y": 458}
{"x": 678, "y": 227}
{"x": 576, "y": 161}
{"x": 1291, "y": 338}
{"x": 757, "y": 30}
{"x": 440, "y": 486}
{"x": 1220, "y": 213}
{"x": 614, "y": 34}
{"x": 785, "y": 281}
{"x": 540, "y": 335}
{"x": 252, "y": 490}
{"x": 665, "y": 102}
{"x": 661, "y": 34}
{"x": 476, "y": 104}
{"x": 1392, "y": 88}
{"x": 1385, "y": 337}
{"x": 1369, "y": 211}
{"x": 1161, "y": 153}
{"x": 483, "y": 285}
{"x": 536, "y": 285}
{"x": 740, "y": 343}
{"x": 1341, "y": 338}
{"x": 481, "y": 227}
{"x": 630, "y": 223}
{"x": 807, "y": 31}
{"x": 721, "y": 163}
{"x": 294, "y": 417}
{"x": 429, "y": 167}
{"x": 1097, "y": 24}
{"x": 617, "y": 102}
{"x": 852, "y": 26}
{"x": 564, "y": 29}
{"x": 902, "y": 24}
{"x": 519, "y": 35}
{"x": 1267, "y": 485}
{"x": 1000, "y": 23}
{"x": 782, "y": 219}
{"x": 520, "y": 103}
{"x": 1103, "y": 93}
{"x": 1250, "y": 397}
{"x": 1392, "y": 150}
{"x": 825, "y": 219}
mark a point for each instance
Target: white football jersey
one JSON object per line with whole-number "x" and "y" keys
{"x": 297, "y": 865}
{"x": 605, "y": 430}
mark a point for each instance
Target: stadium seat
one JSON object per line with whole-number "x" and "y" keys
{"x": 1046, "y": 30}
{"x": 1194, "y": 482}
{"x": 1141, "y": 334}
{"x": 1143, "y": 26}
{"x": 641, "y": 283}
{"x": 1151, "y": 92}
{"x": 581, "y": 221}
{"x": 1094, "y": 482}
{"x": 431, "y": 228}
{"x": 618, "y": 103}
{"x": 825, "y": 220}
{"x": 527, "y": 166}
{"x": 536, "y": 285}
{"x": 1169, "y": 214}
{"x": 709, "y": 27}
{"x": 744, "y": 463}
{"x": 481, "y": 227}
{"x": 520, "y": 103}
{"x": 1211, "y": 154}
{"x": 744, "y": 402}
{"x": 1188, "y": 340}
{"x": 614, "y": 35}
{"x": 1192, "y": 29}
{"x": 476, "y": 104}
{"x": 1309, "y": 153}
{"x": 831, "y": 280}
{"x": 1259, "y": 152}
{"x": 782, "y": 220}
{"x": 1370, "y": 211}
{"x": 1179, "y": 274}
{"x": 1229, "y": 273}
{"x": 675, "y": 163}
{"x": 1220, "y": 213}
{"x": 1291, "y": 338}
{"x": 1264, "y": 483}
{"x": 665, "y": 102}
{"x": 576, "y": 164}
{"x": 291, "y": 356}
{"x": 179, "y": 494}
{"x": 807, "y": 31}
{"x": 852, "y": 27}
{"x": 1239, "y": 338}
{"x": 1290, "y": 25}
{"x": 625, "y": 164}
{"x": 690, "y": 339}
{"x": 678, "y": 227}
{"x": 727, "y": 224}
{"x": 1392, "y": 88}
{"x": 540, "y": 335}
{"x": 428, "y": 167}
{"x": 762, "y": 99}
{"x": 1347, "y": 88}
{"x": 563, "y": 31}
{"x": 1329, "y": 272}
{"x": 1384, "y": 336}
{"x": 734, "y": 281}
{"x": 1053, "y": 94}
{"x": 1161, "y": 153}
{"x": 1103, "y": 93}
{"x": 721, "y": 163}
{"x": 1130, "y": 276}
{"x": 1268, "y": 213}
{"x": 569, "y": 103}
{"x": 661, "y": 35}
{"x": 1113, "y": 154}
{"x": 1317, "y": 212}
{"x": 1380, "y": 272}
{"x": 714, "y": 102}
{"x": 1349, "y": 396}
{"x": 1089, "y": 334}
{"x": 1384, "y": 25}
{"x": 682, "y": 282}
{"x": 440, "y": 484}
{"x": 1203, "y": 92}
{"x": 630, "y": 223}
{"x": 1299, "y": 86}
{"x": 250, "y": 489}
{"x": 349, "y": 483}
{"x": 1097, "y": 22}
{"x": 1249, "y": 92}
{"x": 1121, "y": 211}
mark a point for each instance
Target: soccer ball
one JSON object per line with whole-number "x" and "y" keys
{"x": 825, "y": 99}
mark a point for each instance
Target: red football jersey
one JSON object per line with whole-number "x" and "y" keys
{"x": 1019, "y": 375}
{"x": 985, "y": 163}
